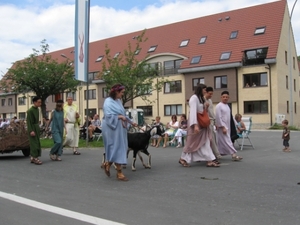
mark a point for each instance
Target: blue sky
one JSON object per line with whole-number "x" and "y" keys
{"x": 25, "y": 23}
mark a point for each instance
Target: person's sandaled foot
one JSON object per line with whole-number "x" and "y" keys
{"x": 212, "y": 164}
{"x": 183, "y": 163}
{"x": 36, "y": 161}
{"x": 76, "y": 153}
{"x": 52, "y": 157}
{"x": 237, "y": 158}
{"x": 57, "y": 158}
{"x": 216, "y": 161}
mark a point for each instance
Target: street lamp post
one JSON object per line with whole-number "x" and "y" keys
{"x": 290, "y": 62}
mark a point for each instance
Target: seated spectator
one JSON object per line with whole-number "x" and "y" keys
{"x": 171, "y": 127}
{"x": 182, "y": 131}
{"x": 94, "y": 127}
{"x": 240, "y": 127}
{"x": 156, "y": 136}
{"x": 4, "y": 123}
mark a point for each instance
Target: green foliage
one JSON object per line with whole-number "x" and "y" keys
{"x": 280, "y": 127}
{"x": 136, "y": 75}
{"x": 298, "y": 57}
{"x": 48, "y": 143}
{"x": 41, "y": 74}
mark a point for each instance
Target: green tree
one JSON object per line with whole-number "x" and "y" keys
{"x": 40, "y": 74}
{"x": 298, "y": 57}
{"x": 136, "y": 75}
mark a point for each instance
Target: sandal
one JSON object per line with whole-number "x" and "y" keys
{"x": 57, "y": 158}
{"x": 52, "y": 157}
{"x": 236, "y": 158}
{"x": 76, "y": 153}
{"x": 36, "y": 161}
{"x": 216, "y": 161}
{"x": 212, "y": 164}
{"x": 183, "y": 163}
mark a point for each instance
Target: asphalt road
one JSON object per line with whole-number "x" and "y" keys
{"x": 260, "y": 190}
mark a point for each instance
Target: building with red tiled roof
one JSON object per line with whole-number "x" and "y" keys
{"x": 244, "y": 51}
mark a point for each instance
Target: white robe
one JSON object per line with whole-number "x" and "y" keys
{"x": 72, "y": 137}
{"x": 223, "y": 114}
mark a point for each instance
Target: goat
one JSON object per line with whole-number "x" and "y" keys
{"x": 139, "y": 142}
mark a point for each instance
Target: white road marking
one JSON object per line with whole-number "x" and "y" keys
{"x": 57, "y": 210}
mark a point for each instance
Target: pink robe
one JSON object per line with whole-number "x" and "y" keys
{"x": 197, "y": 147}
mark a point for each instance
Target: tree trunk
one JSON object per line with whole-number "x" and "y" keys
{"x": 43, "y": 107}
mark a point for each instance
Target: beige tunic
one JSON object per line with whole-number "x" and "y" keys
{"x": 72, "y": 136}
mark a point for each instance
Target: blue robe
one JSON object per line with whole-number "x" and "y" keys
{"x": 113, "y": 132}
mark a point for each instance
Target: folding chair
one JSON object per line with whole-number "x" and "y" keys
{"x": 97, "y": 135}
{"x": 246, "y": 133}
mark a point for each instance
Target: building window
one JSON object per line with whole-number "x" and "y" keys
{"x": 287, "y": 107}
{"x": 147, "y": 110}
{"x": 287, "y": 82}
{"x": 71, "y": 94}
{"x": 286, "y": 57}
{"x": 184, "y": 43}
{"x": 294, "y": 62}
{"x": 255, "y": 80}
{"x": 295, "y": 85}
{"x": 256, "y": 107}
{"x": 22, "y": 116}
{"x": 21, "y": 101}
{"x": 116, "y": 55}
{"x": 172, "y": 66}
{"x": 152, "y": 48}
{"x": 155, "y": 68}
{"x": 92, "y": 76}
{"x": 137, "y": 51}
{"x": 197, "y": 81}
{"x": 9, "y": 102}
{"x": 225, "y": 56}
{"x": 255, "y": 56}
{"x": 260, "y": 30}
{"x": 220, "y": 82}
{"x": 173, "y": 110}
{"x": 295, "y": 107}
{"x": 172, "y": 87}
{"x": 233, "y": 34}
{"x": 144, "y": 89}
{"x": 99, "y": 58}
{"x": 2, "y": 102}
{"x": 105, "y": 93}
{"x": 202, "y": 40}
{"x": 91, "y": 95}
{"x": 55, "y": 98}
{"x": 196, "y": 59}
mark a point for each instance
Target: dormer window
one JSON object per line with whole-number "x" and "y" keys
{"x": 202, "y": 40}
{"x": 184, "y": 43}
{"x": 225, "y": 56}
{"x": 260, "y": 30}
{"x": 196, "y": 59}
{"x": 152, "y": 48}
{"x": 137, "y": 51}
{"x": 233, "y": 34}
{"x": 116, "y": 55}
{"x": 99, "y": 58}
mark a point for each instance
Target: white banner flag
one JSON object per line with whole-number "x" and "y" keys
{"x": 81, "y": 39}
